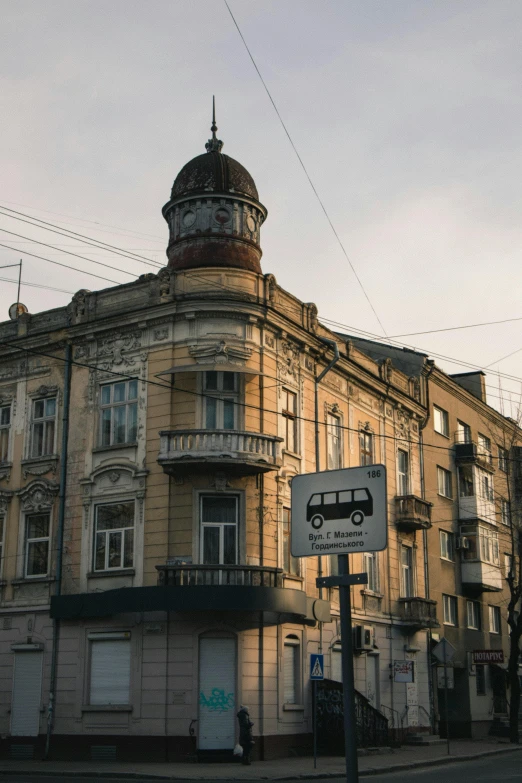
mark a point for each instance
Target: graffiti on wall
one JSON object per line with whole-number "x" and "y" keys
{"x": 218, "y": 701}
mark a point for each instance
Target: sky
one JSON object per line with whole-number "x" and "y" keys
{"x": 405, "y": 113}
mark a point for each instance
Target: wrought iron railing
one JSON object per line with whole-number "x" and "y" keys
{"x": 188, "y": 575}
{"x": 371, "y": 724}
{"x": 396, "y": 731}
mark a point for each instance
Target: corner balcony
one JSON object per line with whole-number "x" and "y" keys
{"x": 412, "y": 513}
{"x": 479, "y": 577}
{"x": 470, "y": 453}
{"x": 246, "y": 453}
{"x": 418, "y": 612}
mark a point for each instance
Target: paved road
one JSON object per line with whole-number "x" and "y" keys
{"x": 498, "y": 769}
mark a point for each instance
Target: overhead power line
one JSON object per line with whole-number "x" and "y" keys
{"x": 36, "y": 285}
{"x": 66, "y": 266}
{"x": 456, "y": 328}
{"x": 338, "y": 238}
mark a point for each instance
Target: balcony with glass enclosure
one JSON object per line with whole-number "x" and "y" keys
{"x": 480, "y": 560}
{"x": 471, "y": 452}
{"x": 476, "y": 494}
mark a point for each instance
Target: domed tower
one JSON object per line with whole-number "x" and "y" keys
{"x": 214, "y": 213}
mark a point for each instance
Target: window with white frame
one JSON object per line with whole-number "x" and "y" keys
{"x": 407, "y": 581}
{"x": 290, "y": 420}
{"x": 110, "y": 668}
{"x": 473, "y": 615}
{"x": 371, "y": 567}
{"x": 114, "y": 536}
{"x": 494, "y": 619}
{"x": 449, "y": 610}
{"x": 466, "y": 482}
{"x": 221, "y": 394}
{"x": 440, "y": 421}
{"x": 463, "y": 432}
{"x": 505, "y": 511}
{"x": 503, "y": 457}
{"x": 489, "y": 551}
{"x": 119, "y": 413}
{"x": 486, "y": 485}
{"x": 290, "y": 563}
{"x": 484, "y": 447}
{"x": 5, "y": 429}
{"x": 334, "y": 442}
{"x": 444, "y": 482}
{"x": 447, "y": 545}
{"x": 403, "y": 472}
{"x": 37, "y": 528}
{"x": 366, "y": 447}
{"x": 43, "y": 425}
{"x": 219, "y": 529}
{"x": 292, "y": 670}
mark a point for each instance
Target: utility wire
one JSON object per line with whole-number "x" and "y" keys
{"x": 36, "y": 285}
{"x": 66, "y": 266}
{"x": 456, "y": 328}
{"x": 172, "y": 387}
{"x": 305, "y": 170}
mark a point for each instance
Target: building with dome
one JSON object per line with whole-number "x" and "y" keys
{"x": 150, "y": 433}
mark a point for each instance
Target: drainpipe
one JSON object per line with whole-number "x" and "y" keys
{"x": 59, "y": 541}
{"x": 318, "y": 380}
{"x": 431, "y": 693}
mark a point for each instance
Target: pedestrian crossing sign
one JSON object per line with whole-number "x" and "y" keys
{"x": 316, "y": 666}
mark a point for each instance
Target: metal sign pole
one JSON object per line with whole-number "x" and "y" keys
{"x": 314, "y": 698}
{"x": 350, "y": 727}
{"x": 446, "y": 697}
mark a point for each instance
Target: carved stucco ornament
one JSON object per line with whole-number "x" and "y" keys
{"x": 5, "y": 499}
{"x": 220, "y": 353}
{"x": 38, "y": 495}
{"x": 116, "y": 347}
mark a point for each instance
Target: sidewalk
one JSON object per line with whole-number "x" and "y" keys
{"x": 384, "y": 760}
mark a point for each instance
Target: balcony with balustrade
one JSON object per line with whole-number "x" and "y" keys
{"x": 417, "y": 613}
{"x": 245, "y": 453}
{"x": 412, "y": 513}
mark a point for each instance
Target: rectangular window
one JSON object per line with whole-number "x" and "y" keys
{"x": 480, "y": 679}
{"x": 484, "y": 447}
{"x": 466, "y": 485}
{"x": 447, "y": 545}
{"x": 371, "y": 566}
{"x": 488, "y": 543}
{"x": 292, "y": 670}
{"x": 403, "y": 469}
{"x": 494, "y": 619}
{"x": 444, "y": 482}
{"x": 43, "y": 426}
{"x": 508, "y": 563}
{"x": 486, "y": 485}
{"x": 119, "y": 413}
{"x": 333, "y": 442}
{"x": 37, "y": 544}
{"x": 505, "y": 512}
{"x": 440, "y": 421}
{"x": 290, "y": 563}
{"x": 473, "y": 615}
{"x": 114, "y": 536}
{"x": 406, "y": 572}
{"x": 366, "y": 448}
{"x": 463, "y": 432}
{"x": 290, "y": 420}
{"x": 2, "y": 528}
{"x": 5, "y": 428}
{"x": 221, "y": 400}
{"x": 219, "y": 523}
{"x": 110, "y": 658}
{"x": 449, "y": 610}
{"x": 503, "y": 457}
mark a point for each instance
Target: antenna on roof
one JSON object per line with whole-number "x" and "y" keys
{"x": 214, "y": 144}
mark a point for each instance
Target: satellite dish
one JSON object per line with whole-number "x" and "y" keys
{"x": 16, "y": 310}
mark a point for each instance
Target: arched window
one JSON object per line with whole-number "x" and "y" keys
{"x": 292, "y": 670}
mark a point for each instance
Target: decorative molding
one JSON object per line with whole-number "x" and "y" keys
{"x": 38, "y": 495}
{"x": 5, "y": 499}
{"x": 220, "y": 353}
{"x": 114, "y": 476}
{"x": 35, "y": 468}
{"x": 220, "y": 482}
{"x": 402, "y": 424}
{"x": 44, "y": 391}
{"x": 117, "y": 346}
{"x": 270, "y": 340}
{"x": 5, "y": 473}
{"x": 288, "y": 362}
{"x": 161, "y": 333}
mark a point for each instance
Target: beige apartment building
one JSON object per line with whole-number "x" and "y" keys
{"x": 149, "y": 435}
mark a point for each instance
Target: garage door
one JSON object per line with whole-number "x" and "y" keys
{"x": 27, "y": 693}
{"x": 217, "y": 694}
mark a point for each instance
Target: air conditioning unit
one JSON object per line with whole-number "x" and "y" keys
{"x": 363, "y": 636}
{"x": 463, "y": 542}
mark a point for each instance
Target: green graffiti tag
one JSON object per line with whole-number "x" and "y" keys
{"x": 218, "y": 701}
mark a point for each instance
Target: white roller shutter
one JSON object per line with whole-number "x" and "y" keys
{"x": 27, "y": 693}
{"x": 217, "y": 694}
{"x": 110, "y": 671}
{"x": 291, "y": 653}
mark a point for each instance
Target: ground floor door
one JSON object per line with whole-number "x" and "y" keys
{"x": 27, "y": 693}
{"x": 217, "y": 694}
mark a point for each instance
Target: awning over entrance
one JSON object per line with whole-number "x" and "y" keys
{"x": 209, "y": 598}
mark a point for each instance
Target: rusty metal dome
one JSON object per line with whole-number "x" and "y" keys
{"x": 213, "y": 172}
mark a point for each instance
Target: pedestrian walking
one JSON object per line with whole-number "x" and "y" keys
{"x": 246, "y": 739}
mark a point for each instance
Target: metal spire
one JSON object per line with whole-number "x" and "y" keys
{"x": 214, "y": 144}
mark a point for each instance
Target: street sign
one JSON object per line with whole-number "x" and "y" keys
{"x": 488, "y": 656}
{"x": 403, "y": 671}
{"x": 336, "y": 512}
{"x": 444, "y": 651}
{"x": 316, "y": 666}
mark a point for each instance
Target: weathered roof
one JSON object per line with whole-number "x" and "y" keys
{"x": 213, "y": 171}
